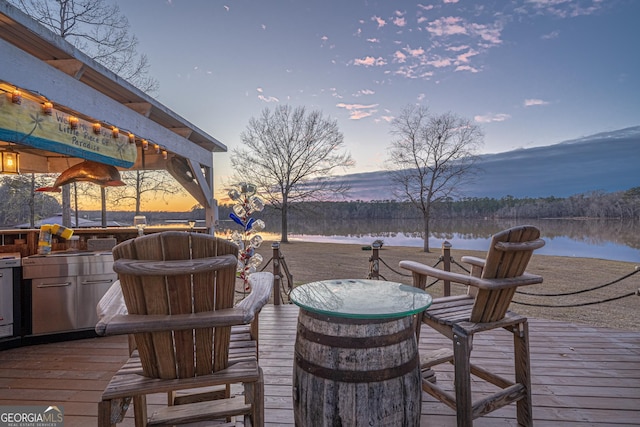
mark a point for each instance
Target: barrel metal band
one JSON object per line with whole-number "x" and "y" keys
{"x": 355, "y": 342}
{"x": 349, "y": 320}
{"x": 358, "y": 376}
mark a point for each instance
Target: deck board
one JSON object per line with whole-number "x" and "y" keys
{"x": 581, "y": 375}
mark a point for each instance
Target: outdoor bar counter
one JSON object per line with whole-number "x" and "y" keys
{"x": 46, "y": 298}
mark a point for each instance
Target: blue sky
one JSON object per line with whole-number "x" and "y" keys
{"x": 529, "y": 72}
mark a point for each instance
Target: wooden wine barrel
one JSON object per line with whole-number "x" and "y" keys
{"x": 356, "y": 372}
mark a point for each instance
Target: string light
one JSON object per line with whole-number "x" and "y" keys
{"x": 115, "y": 132}
{"x": 96, "y": 128}
{"x": 73, "y": 122}
{"x": 47, "y": 108}
{"x": 16, "y": 97}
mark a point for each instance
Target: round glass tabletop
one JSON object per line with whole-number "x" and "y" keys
{"x": 361, "y": 298}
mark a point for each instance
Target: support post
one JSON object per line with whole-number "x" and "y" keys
{"x": 277, "y": 278}
{"x": 374, "y": 261}
{"x": 446, "y": 259}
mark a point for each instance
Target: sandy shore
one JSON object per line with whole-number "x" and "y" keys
{"x": 317, "y": 261}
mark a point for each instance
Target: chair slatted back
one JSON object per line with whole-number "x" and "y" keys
{"x": 179, "y": 353}
{"x": 508, "y": 256}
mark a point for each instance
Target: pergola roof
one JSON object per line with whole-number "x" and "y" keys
{"x": 47, "y": 67}
{"x": 27, "y": 35}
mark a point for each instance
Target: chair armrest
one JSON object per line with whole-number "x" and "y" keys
{"x": 525, "y": 279}
{"x": 114, "y": 320}
{"x": 474, "y": 261}
{"x": 419, "y": 268}
{"x": 140, "y": 323}
{"x": 261, "y": 285}
{"x": 512, "y": 282}
{"x": 477, "y": 264}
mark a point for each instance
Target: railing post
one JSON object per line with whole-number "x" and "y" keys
{"x": 277, "y": 278}
{"x": 446, "y": 259}
{"x": 374, "y": 261}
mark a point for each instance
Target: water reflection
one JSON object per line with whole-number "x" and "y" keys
{"x": 606, "y": 239}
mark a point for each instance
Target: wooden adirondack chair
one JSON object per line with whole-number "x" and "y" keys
{"x": 491, "y": 286}
{"x": 175, "y": 295}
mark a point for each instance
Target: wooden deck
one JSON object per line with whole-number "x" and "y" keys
{"x": 581, "y": 375}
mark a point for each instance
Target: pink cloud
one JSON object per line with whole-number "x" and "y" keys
{"x": 358, "y": 111}
{"x": 489, "y": 118}
{"x": 464, "y": 57}
{"x": 370, "y": 61}
{"x": 446, "y": 26}
{"x": 268, "y": 98}
{"x": 381, "y": 22}
{"x": 534, "y": 102}
{"x": 489, "y": 34}
{"x": 427, "y": 7}
{"x": 440, "y": 62}
{"x": 414, "y": 52}
{"x": 399, "y": 57}
{"x": 467, "y": 68}
{"x": 400, "y": 22}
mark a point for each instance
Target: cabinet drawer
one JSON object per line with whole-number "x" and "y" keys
{"x": 53, "y": 304}
{"x": 90, "y": 289}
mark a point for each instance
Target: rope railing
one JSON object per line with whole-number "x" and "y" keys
{"x": 281, "y": 274}
{"x": 448, "y": 260}
{"x": 581, "y": 290}
{"x": 580, "y": 304}
{"x": 375, "y": 260}
{"x": 279, "y": 267}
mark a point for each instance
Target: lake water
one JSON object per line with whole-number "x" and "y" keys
{"x": 612, "y": 240}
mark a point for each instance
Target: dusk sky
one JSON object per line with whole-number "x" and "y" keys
{"x": 529, "y": 72}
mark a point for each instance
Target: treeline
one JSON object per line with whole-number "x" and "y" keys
{"x": 599, "y": 205}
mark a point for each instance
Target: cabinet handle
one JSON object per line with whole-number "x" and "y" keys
{"x": 54, "y": 285}
{"x": 94, "y": 282}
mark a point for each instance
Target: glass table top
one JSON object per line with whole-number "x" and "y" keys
{"x": 361, "y": 298}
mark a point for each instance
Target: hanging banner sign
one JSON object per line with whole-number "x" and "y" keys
{"x": 27, "y": 124}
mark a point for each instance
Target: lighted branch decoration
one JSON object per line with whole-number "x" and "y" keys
{"x": 247, "y": 240}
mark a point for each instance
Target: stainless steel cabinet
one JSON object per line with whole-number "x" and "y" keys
{"x": 6, "y": 302}
{"x": 90, "y": 290}
{"x": 66, "y": 289}
{"x": 53, "y": 304}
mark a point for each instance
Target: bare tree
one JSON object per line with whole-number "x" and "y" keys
{"x": 141, "y": 183}
{"x": 290, "y": 156}
{"x": 431, "y": 158}
{"x": 98, "y": 29}
{"x": 20, "y": 203}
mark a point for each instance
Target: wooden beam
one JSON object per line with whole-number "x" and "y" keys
{"x": 184, "y": 132}
{"x": 143, "y": 108}
{"x": 71, "y": 67}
